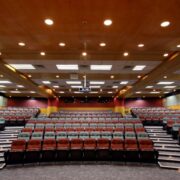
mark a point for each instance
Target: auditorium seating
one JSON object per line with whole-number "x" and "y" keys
{"x": 99, "y": 139}
{"x": 155, "y": 116}
{"x": 17, "y": 115}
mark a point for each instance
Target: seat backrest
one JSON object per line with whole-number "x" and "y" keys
{"x": 19, "y": 144}
{"x": 103, "y": 142}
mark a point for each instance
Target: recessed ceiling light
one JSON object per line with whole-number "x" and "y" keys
{"x": 124, "y": 82}
{"x": 69, "y": 90}
{"x": 20, "y": 86}
{"x": 138, "y": 92}
{"x": 149, "y": 87}
{"x": 107, "y": 22}
{"x": 42, "y": 53}
{"x": 167, "y": 82}
{"x": 93, "y": 92}
{"x": 22, "y": 66}
{"x": 67, "y": 66}
{"x": 125, "y": 54}
{"x": 169, "y": 87}
{"x": 0, "y": 53}
{"x": 101, "y": 67}
{"x": 165, "y": 23}
{"x": 165, "y": 54}
{"x": 21, "y": 44}
{"x": 165, "y": 92}
{"x": 84, "y": 53}
{"x": 5, "y": 82}
{"x": 73, "y": 82}
{"x": 57, "y": 76}
{"x": 140, "y": 45}
{"x": 76, "y": 86}
{"x": 61, "y": 92}
{"x": 154, "y": 92}
{"x": 165, "y": 77}
{"x": 62, "y": 44}
{"x": 1, "y": 76}
{"x": 97, "y": 82}
{"x": 114, "y": 87}
{"x": 56, "y": 86}
{"x": 94, "y": 87}
{"x": 49, "y": 22}
{"x": 178, "y": 46}
{"x": 46, "y": 82}
{"x": 2, "y": 86}
{"x": 101, "y": 90}
{"x": 15, "y": 92}
{"x": 109, "y": 92}
{"x": 138, "y": 76}
{"x": 102, "y": 44}
{"x": 29, "y": 75}
{"x": 139, "y": 67}
{"x": 32, "y": 92}
{"x": 112, "y": 76}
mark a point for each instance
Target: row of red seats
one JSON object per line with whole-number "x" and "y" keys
{"x": 78, "y": 149}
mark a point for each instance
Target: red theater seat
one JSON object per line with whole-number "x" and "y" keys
{"x": 33, "y": 150}
{"x": 89, "y": 149}
{"x": 147, "y": 152}
{"x": 16, "y": 154}
{"x": 117, "y": 149}
{"x": 103, "y": 149}
{"x": 63, "y": 147}
{"x": 76, "y": 149}
{"x": 48, "y": 147}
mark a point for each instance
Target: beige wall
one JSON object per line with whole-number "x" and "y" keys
{"x": 3, "y": 101}
{"x": 172, "y": 102}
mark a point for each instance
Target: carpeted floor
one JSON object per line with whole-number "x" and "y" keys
{"x": 88, "y": 172}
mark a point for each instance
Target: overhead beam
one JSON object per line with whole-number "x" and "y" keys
{"x": 169, "y": 65}
{"x": 17, "y": 77}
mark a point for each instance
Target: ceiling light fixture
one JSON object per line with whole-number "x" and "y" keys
{"x": 21, "y": 44}
{"x": 62, "y": 44}
{"x": 84, "y": 53}
{"x": 95, "y": 87}
{"x": 124, "y": 82}
{"x": 67, "y": 66}
{"x": 165, "y": 82}
{"x": 165, "y": 54}
{"x": 149, "y": 87}
{"x": 178, "y": 46}
{"x": 76, "y": 87}
{"x": 114, "y": 87}
{"x": 154, "y": 92}
{"x": 57, "y": 76}
{"x": 22, "y": 66}
{"x": 20, "y": 86}
{"x": 112, "y": 76}
{"x": 169, "y": 87}
{"x": 101, "y": 67}
{"x": 140, "y": 45}
{"x": 165, "y": 24}
{"x": 46, "y": 82}
{"x": 5, "y": 82}
{"x": 125, "y": 54}
{"x": 42, "y": 53}
{"x": 102, "y": 44}
{"x": 73, "y": 82}
{"x": 107, "y": 22}
{"x": 138, "y": 92}
{"x": 139, "y": 67}
{"x": 109, "y": 92}
{"x": 61, "y": 92}
{"x": 29, "y": 75}
{"x": 56, "y": 86}
{"x": 97, "y": 82}
{"x": 49, "y": 22}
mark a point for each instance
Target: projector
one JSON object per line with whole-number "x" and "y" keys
{"x": 85, "y": 89}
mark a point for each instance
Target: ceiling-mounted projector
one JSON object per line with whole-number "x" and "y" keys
{"x": 85, "y": 89}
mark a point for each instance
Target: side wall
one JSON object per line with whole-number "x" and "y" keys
{"x": 172, "y": 102}
{"x": 54, "y": 105}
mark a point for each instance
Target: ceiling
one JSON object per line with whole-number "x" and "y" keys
{"x": 79, "y": 24}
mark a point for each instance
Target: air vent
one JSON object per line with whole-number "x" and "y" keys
{"x": 39, "y": 66}
{"x": 54, "y": 82}
{"x": 128, "y": 67}
{"x": 116, "y": 82}
{"x": 84, "y": 67}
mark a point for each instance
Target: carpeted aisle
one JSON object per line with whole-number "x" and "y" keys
{"x": 88, "y": 172}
